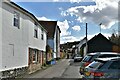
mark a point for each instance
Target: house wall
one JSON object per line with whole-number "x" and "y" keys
{"x": 80, "y": 44}
{"x": 14, "y": 40}
{"x": 0, "y": 34}
{"x": 84, "y": 51}
{"x": 51, "y": 43}
{"x": 55, "y": 44}
{"x": 58, "y": 42}
{"x": 37, "y": 43}
{"x": 58, "y": 45}
{"x": 35, "y": 65}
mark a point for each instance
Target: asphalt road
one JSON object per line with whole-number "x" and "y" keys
{"x": 72, "y": 71}
{"x": 64, "y": 68}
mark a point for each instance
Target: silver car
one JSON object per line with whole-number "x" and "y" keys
{"x": 103, "y": 68}
{"x": 91, "y": 56}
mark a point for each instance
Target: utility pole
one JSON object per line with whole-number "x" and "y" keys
{"x": 100, "y": 27}
{"x": 86, "y": 41}
{"x": 119, "y": 18}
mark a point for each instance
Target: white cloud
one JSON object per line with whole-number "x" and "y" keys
{"x": 107, "y": 35}
{"x": 76, "y": 28}
{"x": 63, "y": 13}
{"x": 105, "y": 12}
{"x": 44, "y": 19}
{"x": 65, "y": 34}
{"x": 64, "y": 26}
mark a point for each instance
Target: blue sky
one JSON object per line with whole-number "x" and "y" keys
{"x": 72, "y": 16}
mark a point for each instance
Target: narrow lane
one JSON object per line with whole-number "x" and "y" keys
{"x": 64, "y": 69}
{"x": 72, "y": 71}
{"x": 52, "y": 72}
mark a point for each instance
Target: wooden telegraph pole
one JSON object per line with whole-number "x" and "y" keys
{"x": 86, "y": 41}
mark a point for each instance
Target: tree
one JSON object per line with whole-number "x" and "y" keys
{"x": 115, "y": 39}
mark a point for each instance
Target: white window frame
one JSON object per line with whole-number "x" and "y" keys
{"x": 35, "y": 52}
{"x": 16, "y": 20}
{"x": 42, "y": 34}
{"x": 36, "y": 30}
{"x": 36, "y": 33}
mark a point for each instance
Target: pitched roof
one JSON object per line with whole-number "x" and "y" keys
{"x": 99, "y": 43}
{"x": 50, "y": 26}
{"x": 100, "y": 37}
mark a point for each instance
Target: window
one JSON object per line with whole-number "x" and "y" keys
{"x": 16, "y": 21}
{"x": 11, "y": 47}
{"x": 115, "y": 65}
{"x": 42, "y": 36}
{"x": 87, "y": 58}
{"x": 35, "y": 56}
{"x": 35, "y": 33}
{"x": 96, "y": 65}
{"x": 36, "y": 30}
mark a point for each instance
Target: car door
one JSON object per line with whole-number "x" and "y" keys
{"x": 114, "y": 70}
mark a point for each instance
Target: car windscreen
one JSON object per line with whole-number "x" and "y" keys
{"x": 96, "y": 65}
{"x": 87, "y": 58}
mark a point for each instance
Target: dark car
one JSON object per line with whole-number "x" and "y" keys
{"x": 91, "y": 56}
{"x": 103, "y": 68}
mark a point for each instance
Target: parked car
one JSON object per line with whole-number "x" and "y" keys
{"x": 77, "y": 58}
{"x": 73, "y": 55}
{"x": 91, "y": 56}
{"x": 103, "y": 68}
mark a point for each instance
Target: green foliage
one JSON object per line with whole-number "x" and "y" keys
{"x": 115, "y": 39}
